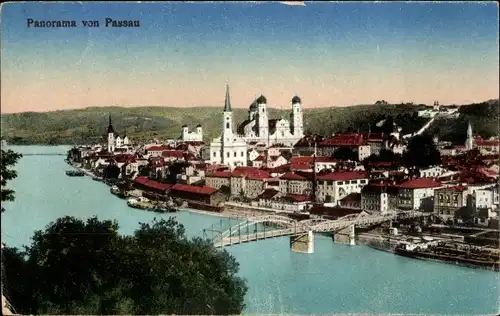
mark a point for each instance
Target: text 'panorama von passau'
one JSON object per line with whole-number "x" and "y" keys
{"x": 108, "y": 22}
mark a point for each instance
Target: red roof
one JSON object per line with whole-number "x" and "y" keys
{"x": 250, "y": 172}
{"x": 297, "y": 197}
{"x": 293, "y": 176}
{"x": 152, "y": 183}
{"x": 172, "y": 153}
{"x": 158, "y": 148}
{"x": 194, "y": 189}
{"x": 280, "y": 169}
{"x": 343, "y": 176}
{"x": 341, "y": 140}
{"x": 420, "y": 183}
{"x": 488, "y": 143}
{"x": 220, "y": 174}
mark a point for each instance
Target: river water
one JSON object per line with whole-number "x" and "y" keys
{"x": 335, "y": 279}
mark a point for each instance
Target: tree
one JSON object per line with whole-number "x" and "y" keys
{"x": 8, "y": 159}
{"x": 77, "y": 267}
{"x": 345, "y": 153}
{"x": 111, "y": 171}
{"x": 421, "y": 153}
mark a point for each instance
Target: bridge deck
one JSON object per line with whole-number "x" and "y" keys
{"x": 234, "y": 240}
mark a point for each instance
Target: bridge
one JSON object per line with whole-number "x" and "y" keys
{"x": 301, "y": 232}
{"x": 44, "y": 154}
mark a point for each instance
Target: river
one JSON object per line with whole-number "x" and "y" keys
{"x": 334, "y": 279}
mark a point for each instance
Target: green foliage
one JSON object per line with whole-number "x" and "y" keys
{"x": 77, "y": 267}
{"x": 421, "y": 152}
{"x": 141, "y": 123}
{"x": 345, "y": 153}
{"x": 8, "y": 159}
{"x": 482, "y": 116}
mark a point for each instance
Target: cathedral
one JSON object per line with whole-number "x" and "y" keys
{"x": 229, "y": 149}
{"x": 261, "y": 129}
{"x": 114, "y": 140}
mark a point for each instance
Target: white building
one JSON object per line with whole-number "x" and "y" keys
{"x": 114, "y": 140}
{"x": 259, "y": 128}
{"x": 228, "y": 149}
{"x": 486, "y": 198}
{"x": 193, "y": 136}
{"x": 417, "y": 194}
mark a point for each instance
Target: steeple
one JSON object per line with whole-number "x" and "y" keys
{"x": 469, "y": 131}
{"x": 227, "y": 104}
{"x": 110, "y": 126}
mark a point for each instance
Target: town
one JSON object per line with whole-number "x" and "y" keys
{"x": 265, "y": 167}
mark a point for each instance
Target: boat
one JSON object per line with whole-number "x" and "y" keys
{"x": 75, "y": 173}
{"x": 139, "y": 203}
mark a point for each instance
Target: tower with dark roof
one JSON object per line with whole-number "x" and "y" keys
{"x": 227, "y": 128}
{"x": 297, "y": 118}
{"x": 262, "y": 118}
{"x": 111, "y": 136}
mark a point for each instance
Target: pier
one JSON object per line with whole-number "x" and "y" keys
{"x": 45, "y": 154}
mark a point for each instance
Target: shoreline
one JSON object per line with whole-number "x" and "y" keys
{"x": 373, "y": 241}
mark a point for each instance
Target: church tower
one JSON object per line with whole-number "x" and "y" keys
{"x": 111, "y": 136}
{"x": 469, "y": 142}
{"x": 262, "y": 118}
{"x": 297, "y": 118}
{"x": 227, "y": 128}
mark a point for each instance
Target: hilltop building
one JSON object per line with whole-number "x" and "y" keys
{"x": 193, "y": 136}
{"x": 228, "y": 149}
{"x": 258, "y": 127}
{"x": 114, "y": 140}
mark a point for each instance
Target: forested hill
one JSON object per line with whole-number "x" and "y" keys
{"x": 484, "y": 118}
{"x": 70, "y": 126}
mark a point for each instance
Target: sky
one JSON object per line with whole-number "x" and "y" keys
{"x": 184, "y": 54}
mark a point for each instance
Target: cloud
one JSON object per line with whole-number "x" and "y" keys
{"x": 293, "y": 3}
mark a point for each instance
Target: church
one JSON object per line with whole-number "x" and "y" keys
{"x": 114, "y": 140}
{"x": 261, "y": 129}
{"x": 229, "y": 149}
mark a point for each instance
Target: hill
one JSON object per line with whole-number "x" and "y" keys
{"x": 484, "y": 118}
{"x": 89, "y": 124}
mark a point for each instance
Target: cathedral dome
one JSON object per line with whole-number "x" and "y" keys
{"x": 262, "y": 100}
{"x": 296, "y": 99}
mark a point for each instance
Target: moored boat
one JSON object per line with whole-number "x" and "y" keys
{"x": 75, "y": 173}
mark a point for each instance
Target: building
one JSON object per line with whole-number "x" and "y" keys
{"x": 353, "y": 200}
{"x": 486, "y": 198}
{"x": 334, "y": 186}
{"x": 417, "y": 194}
{"x": 379, "y": 197}
{"x": 192, "y": 136}
{"x": 448, "y": 200}
{"x": 114, "y": 140}
{"x": 228, "y": 149}
{"x": 258, "y": 127}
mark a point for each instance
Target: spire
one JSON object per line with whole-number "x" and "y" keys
{"x": 227, "y": 104}
{"x": 469, "y": 130}
{"x": 110, "y": 126}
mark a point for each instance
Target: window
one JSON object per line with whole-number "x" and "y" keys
{"x": 234, "y": 154}
{"x": 215, "y": 154}
{"x": 227, "y": 125}
{"x": 353, "y": 181}
{"x": 227, "y": 154}
{"x": 242, "y": 154}
{"x": 340, "y": 183}
{"x": 363, "y": 181}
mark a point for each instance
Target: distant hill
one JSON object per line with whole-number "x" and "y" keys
{"x": 484, "y": 118}
{"x": 70, "y": 126}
